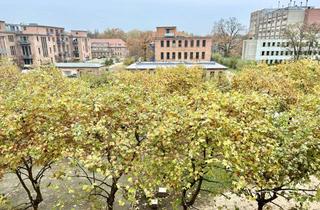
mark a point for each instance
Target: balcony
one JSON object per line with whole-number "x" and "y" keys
{"x": 169, "y": 35}
{"x": 27, "y": 56}
{"x": 24, "y": 42}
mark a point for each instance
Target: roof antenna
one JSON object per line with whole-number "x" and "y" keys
{"x": 290, "y": 3}
{"x": 294, "y": 3}
{"x": 301, "y": 4}
{"x": 278, "y": 4}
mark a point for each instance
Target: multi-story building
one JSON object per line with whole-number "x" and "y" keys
{"x": 267, "y": 41}
{"x": 172, "y": 45}
{"x": 109, "y": 48}
{"x": 81, "y": 46}
{"x": 33, "y": 45}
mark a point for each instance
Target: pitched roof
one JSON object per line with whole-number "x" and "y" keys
{"x": 109, "y": 42}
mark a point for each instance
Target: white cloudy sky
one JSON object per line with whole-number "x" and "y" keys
{"x": 196, "y": 16}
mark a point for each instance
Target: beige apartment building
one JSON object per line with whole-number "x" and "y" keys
{"x": 33, "y": 45}
{"x": 81, "y": 45}
{"x": 172, "y": 45}
{"x": 109, "y": 48}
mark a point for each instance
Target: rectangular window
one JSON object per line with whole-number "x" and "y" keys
{"x": 173, "y": 43}
{"x": 162, "y": 55}
{"x": 197, "y": 55}
{"x": 173, "y": 56}
{"x": 168, "y": 43}
{"x": 204, "y": 43}
{"x": 179, "y": 43}
{"x": 50, "y": 50}
{"x": 192, "y": 43}
{"x": 268, "y": 52}
{"x": 186, "y": 43}
{"x": 37, "y": 38}
{"x": 168, "y": 55}
{"x": 262, "y": 53}
{"x": 39, "y": 51}
{"x": 162, "y": 43}
{"x": 191, "y": 55}
{"x": 263, "y": 44}
{"x": 272, "y": 53}
{"x": 13, "y": 50}
{"x": 44, "y": 46}
{"x": 11, "y": 38}
{"x": 203, "y": 55}
{"x": 179, "y": 55}
{"x": 198, "y": 43}
{"x": 185, "y": 55}
{"x": 269, "y": 44}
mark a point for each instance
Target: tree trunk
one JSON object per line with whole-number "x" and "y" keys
{"x": 112, "y": 195}
{"x": 261, "y": 205}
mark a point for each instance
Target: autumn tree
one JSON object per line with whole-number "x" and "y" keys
{"x": 113, "y": 33}
{"x": 271, "y": 122}
{"x": 226, "y": 35}
{"x": 35, "y": 127}
{"x": 139, "y": 44}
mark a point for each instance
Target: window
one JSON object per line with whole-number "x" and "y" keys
{"x": 263, "y": 53}
{"x": 268, "y": 52}
{"x": 162, "y": 43}
{"x": 168, "y": 43}
{"x": 281, "y": 53}
{"x": 186, "y": 43}
{"x": 263, "y": 44}
{"x": 203, "y": 55}
{"x": 179, "y": 43}
{"x": 49, "y": 39}
{"x": 191, "y": 55}
{"x": 54, "y": 48}
{"x": 11, "y": 38}
{"x": 179, "y": 55}
{"x": 44, "y": 46}
{"x": 204, "y": 43}
{"x": 13, "y": 50}
{"x": 185, "y": 55}
{"x": 273, "y": 44}
{"x": 50, "y": 50}
{"x": 173, "y": 43}
{"x": 192, "y": 43}
{"x": 168, "y": 55}
{"x": 162, "y": 55}
{"x": 197, "y": 55}
{"x": 173, "y": 56}
{"x": 272, "y": 53}
{"x": 269, "y": 44}
{"x": 39, "y": 51}
{"x": 278, "y": 44}
{"x": 198, "y": 43}
{"x": 167, "y": 30}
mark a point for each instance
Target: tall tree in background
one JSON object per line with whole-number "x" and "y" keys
{"x": 139, "y": 44}
{"x": 302, "y": 39}
{"x": 113, "y": 33}
{"x": 227, "y": 36}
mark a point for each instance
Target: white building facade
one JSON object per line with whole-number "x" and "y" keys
{"x": 267, "y": 42}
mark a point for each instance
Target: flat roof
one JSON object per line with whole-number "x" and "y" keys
{"x": 78, "y": 65}
{"x": 208, "y": 65}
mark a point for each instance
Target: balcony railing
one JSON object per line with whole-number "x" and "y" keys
{"x": 169, "y": 34}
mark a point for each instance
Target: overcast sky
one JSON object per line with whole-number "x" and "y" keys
{"x": 194, "y": 16}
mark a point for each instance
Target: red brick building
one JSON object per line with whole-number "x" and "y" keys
{"x": 172, "y": 45}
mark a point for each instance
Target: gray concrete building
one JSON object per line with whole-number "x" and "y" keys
{"x": 267, "y": 42}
